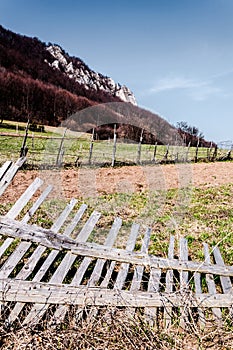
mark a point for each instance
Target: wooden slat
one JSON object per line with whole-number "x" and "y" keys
{"x": 37, "y": 204}
{"x": 63, "y": 216}
{"x": 38, "y": 311}
{"x": 169, "y": 283}
{"x": 153, "y": 287}
{"x": 24, "y": 199}
{"x": 4, "y": 168}
{"x": 14, "y": 259}
{"x": 95, "y": 276}
{"x": 183, "y": 281}
{"x": 8, "y": 177}
{"x": 51, "y": 240}
{"x": 25, "y": 291}
{"x": 225, "y": 281}
{"x": 138, "y": 272}
{"x": 122, "y": 274}
{"x": 210, "y": 282}
{"x": 28, "y": 268}
{"x": 61, "y": 311}
{"x": 198, "y": 290}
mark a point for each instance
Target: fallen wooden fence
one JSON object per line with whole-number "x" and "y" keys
{"x": 44, "y": 273}
{"x": 8, "y": 171}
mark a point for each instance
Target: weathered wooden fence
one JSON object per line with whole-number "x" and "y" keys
{"x": 46, "y": 275}
{"x": 58, "y": 151}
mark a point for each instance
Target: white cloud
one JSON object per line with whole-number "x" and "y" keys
{"x": 173, "y": 83}
{"x": 196, "y": 89}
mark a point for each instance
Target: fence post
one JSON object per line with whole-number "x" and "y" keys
{"x": 24, "y": 149}
{"x": 61, "y": 151}
{"x": 114, "y": 146}
{"x": 140, "y": 148}
{"x": 215, "y": 153}
{"x": 187, "y": 153}
{"x": 91, "y": 146}
{"x": 166, "y": 153}
{"x": 209, "y": 151}
{"x": 155, "y": 151}
{"x": 196, "y": 155}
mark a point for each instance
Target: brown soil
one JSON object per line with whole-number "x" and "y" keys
{"x": 86, "y": 182}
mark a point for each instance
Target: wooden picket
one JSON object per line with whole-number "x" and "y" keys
{"x": 44, "y": 273}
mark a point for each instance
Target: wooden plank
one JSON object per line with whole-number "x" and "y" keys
{"x": 63, "y": 216}
{"x": 138, "y": 272}
{"x": 153, "y": 287}
{"x": 38, "y": 311}
{"x": 210, "y": 282}
{"x": 64, "y": 294}
{"x": 24, "y": 199}
{"x": 51, "y": 240}
{"x": 6, "y": 180}
{"x": 122, "y": 274}
{"x": 70, "y": 228}
{"x": 14, "y": 259}
{"x": 169, "y": 283}
{"x": 88, "y": 227}
{"x": 4, "y": 168}
{"x": 198, "y": 290}
{"x": 183, "y": 281}
{"x": 37, "y": 204}
{"x": 95, "y": 276}
{"x": 61, "y": 311}
{"x": 225, "y": 281}
{"x": 28, "y": 268}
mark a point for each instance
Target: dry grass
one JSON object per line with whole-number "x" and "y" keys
{"x": 115, "y": 330}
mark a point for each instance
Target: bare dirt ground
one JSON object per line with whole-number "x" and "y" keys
{"x": 87, "y": 182}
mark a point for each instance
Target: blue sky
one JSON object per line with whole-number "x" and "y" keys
{"x": 175, "y": 55}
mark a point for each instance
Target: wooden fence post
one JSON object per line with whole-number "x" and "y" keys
{"x": 166, "y": 153}
{"x": 215, "y": 153}
{"x": 155, "y": 151}
{"x": 140, "y": 148}
{"x": 187, "y": 153}
{"x": 196, "y": 155}
{"x": 91, "y": 146}
{"x": 209, "y": 151}
{"x": 24, "y": 149}
{"x": 114, "y": 146}
{"x": 61, "y": 151}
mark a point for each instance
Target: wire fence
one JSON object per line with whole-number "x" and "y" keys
{"x": 44, "y": 151}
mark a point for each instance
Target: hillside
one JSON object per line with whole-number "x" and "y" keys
{"x": 43, "y": 82}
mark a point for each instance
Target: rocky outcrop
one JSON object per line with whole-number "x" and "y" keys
{"x": 76, "y": 69}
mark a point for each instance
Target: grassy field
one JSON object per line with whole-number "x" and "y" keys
{"x": 43, "y": 147}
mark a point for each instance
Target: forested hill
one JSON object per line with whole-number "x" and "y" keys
{"x": 43, "y": 82}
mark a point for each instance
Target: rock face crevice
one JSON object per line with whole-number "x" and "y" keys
{"x": 77, "y": 70}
